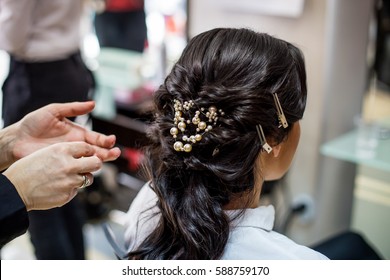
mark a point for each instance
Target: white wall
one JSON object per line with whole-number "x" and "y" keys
{"x": 346, "y": 76}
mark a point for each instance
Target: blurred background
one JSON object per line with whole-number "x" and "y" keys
{"x": 340, "y": 177}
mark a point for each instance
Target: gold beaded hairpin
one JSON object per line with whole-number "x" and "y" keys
{"x": 201, "y": 126}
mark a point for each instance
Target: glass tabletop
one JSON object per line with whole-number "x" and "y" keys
{"x": 346, "y": 147}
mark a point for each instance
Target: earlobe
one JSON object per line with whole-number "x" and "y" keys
{"x": 276, "y": 150}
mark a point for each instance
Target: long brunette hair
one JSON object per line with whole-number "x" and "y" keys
{"x": 238, "y": 71}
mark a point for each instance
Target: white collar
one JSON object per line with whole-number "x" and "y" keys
{"x": 262, "y": 217}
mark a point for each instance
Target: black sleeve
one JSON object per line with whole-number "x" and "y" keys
{"x": 13, "y": 213}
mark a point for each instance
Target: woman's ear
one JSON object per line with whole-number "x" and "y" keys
{"x": 276, "y": 150}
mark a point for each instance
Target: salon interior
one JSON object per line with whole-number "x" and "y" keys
{"x": 339, "y": 180}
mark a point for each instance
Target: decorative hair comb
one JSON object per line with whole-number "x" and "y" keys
{"x": 200, "y": 125}
{"x": 263, "y": 141}
{"x": 281, "y": 116}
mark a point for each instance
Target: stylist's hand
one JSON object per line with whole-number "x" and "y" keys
{"x": 51, "y": 176}
{"x": 49, "y": 125}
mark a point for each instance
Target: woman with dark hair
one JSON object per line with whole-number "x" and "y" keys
{"x": 226, "y": 119}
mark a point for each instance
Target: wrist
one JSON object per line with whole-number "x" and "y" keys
{"x": 7, "y": 144}
{"x": 13, "y": 177}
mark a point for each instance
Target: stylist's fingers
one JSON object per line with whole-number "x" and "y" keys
{"x": 88, "y": 164}
{"x": 80, "y": 149}
{"x": 71, "y": 109}
{"x": 108, "y": 154}
{"x": 100, "y": 140}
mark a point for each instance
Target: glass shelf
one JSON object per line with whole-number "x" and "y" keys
{"x": 345, "y": 148}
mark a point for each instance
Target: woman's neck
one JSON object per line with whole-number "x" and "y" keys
{"x": 245, "y": 199}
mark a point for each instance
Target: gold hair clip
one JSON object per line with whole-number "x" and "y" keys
{"x": 281, "y": 116}
{"x": 200, "y": 126}
{"x": 263, "y": 141}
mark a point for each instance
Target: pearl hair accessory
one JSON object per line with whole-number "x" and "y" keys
{"x": 181, "y": 125}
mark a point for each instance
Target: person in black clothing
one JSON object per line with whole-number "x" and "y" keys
{"x": 122, "y": 25}
{"x": 46, "y": 66}
{"x": 47, "y": 159}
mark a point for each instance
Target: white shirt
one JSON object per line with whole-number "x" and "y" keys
{"x": 251, "y": 236}
{"x": 40, "y": 30}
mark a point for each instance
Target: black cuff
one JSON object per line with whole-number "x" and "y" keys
{"x": 13, "y": 213}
